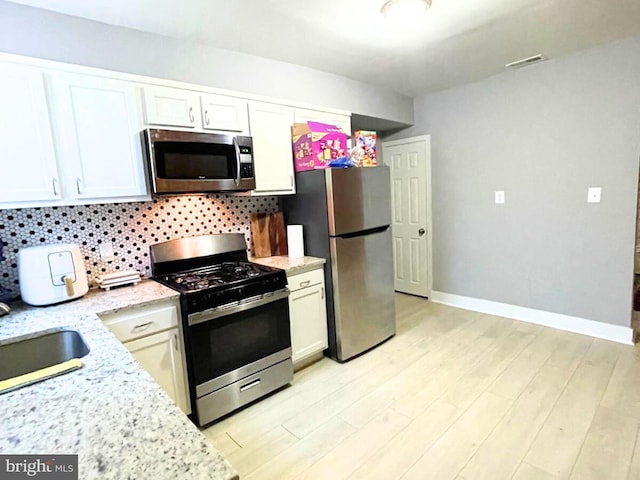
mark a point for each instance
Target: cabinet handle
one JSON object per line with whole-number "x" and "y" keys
{"x": 78, "y": 185}
{"x": 175, "y": 340}
{"x": 305, "y": 283}
{"x": 291, "y": 180}
{"x": 142, "y": 326}
{"x": 55, "y": 186}
{"x": 206, "y": 117}
{"x": 191, "y": 118}
{"x": 322, "y": 293}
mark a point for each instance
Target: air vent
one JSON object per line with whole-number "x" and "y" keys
{"x": 526, "y": 61}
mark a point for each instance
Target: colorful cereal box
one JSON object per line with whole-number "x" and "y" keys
{"x": 366, "y": 140}
{"x": 315, "y": 144}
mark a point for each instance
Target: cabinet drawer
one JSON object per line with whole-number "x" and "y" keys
{"x": 306, "y": 279}
{"x": 141, "y": 322}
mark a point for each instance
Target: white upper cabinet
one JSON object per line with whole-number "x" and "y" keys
{"x": 73, "y": 135}
{"x": 27, "y": 156}
{"x": 224, "y": 113}
{"x": 98, "y": 127}
{"x": 172, "y": 107}
{"x": 271, "y": 132}
{"x": 342, "y": 121}
{"x": 303, "y": 115}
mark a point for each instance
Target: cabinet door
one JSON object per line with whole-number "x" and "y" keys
{"x": 27, "y": 155}
{"x": 99, "y": 127}
{"x": 171, "y": 107}
{"x": 224, "y": 113}
{"x": 302, "y": 115}
{"x": 161, "y": 355}
{"x": 308, "y": 313}
{"x": 271, "y": 133}
{"x": 342, "y": 121}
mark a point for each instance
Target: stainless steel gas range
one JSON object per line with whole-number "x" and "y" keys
{"x": 235, "y": 318}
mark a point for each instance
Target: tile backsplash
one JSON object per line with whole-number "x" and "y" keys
{"x": 131, "y": 227}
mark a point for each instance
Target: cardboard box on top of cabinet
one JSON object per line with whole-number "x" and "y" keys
{"x": 315, "y": 144}
{"x": 366, "y": 140}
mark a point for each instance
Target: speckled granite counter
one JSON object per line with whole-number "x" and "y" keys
{"x": 293, "y": 266}
{"x": 110, "y": 412}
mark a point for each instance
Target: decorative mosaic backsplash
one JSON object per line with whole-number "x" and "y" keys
{"x": 131, "y": 227}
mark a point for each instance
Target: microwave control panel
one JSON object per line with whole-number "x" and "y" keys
{"x": 246, "y": 162}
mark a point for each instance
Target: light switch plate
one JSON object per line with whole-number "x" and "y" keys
{"x": 106, "y": 251}
{"x": 499, "y": 196}
{"x": 594, "y": 194}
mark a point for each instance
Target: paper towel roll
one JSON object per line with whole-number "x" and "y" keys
{"x": 295, "y": 241}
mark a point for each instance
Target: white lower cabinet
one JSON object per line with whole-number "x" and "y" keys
{"x": 152, "y": 334}
{"x": 161, "y": 355}
{"x": 308, "y": 314}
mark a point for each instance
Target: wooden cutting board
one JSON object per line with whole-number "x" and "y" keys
{"x": 269, "y": 234}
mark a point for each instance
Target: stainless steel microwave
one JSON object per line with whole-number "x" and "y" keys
{"x": 190, "y": 162}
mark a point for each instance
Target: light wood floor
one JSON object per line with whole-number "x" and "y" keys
{"x": 455, "y": 395}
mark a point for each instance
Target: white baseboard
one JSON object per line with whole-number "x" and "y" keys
{"x": 615, "y": 333}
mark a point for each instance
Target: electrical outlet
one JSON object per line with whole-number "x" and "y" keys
{"x": 594, "y": 194}
{"x": 499, "y": 196}
{"x": 106, "y": 251}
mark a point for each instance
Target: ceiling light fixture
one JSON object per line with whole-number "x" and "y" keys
{"x": 404, "y": 9}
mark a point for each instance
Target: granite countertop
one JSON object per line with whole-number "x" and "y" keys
{"x": 110, "y": 412}
{"x": 293, "y": 266}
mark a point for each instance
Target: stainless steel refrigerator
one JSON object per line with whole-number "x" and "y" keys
{"x": 346, "y": 214}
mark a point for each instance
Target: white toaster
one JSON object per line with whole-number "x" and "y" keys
{"x": 51, "y": 274}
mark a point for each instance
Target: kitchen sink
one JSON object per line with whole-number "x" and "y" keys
{"x": 35, "y": 353}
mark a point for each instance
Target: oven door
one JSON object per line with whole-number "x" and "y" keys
{"x": 188, "y": 162}
{"x": 229, "y": 344}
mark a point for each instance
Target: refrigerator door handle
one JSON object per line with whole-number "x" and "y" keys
{"x": 361, "y": 233}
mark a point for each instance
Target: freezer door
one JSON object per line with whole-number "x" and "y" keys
{"x": 358, "y": 199}
{"x": 363, "y": 297}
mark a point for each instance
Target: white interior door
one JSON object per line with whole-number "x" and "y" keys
{"x": 409, "y": 161}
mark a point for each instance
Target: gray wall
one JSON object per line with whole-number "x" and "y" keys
{"x": 543, "y": 134}
{"x": 39, "y": 33}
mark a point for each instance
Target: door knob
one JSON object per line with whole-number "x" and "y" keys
{"x": 422, "y": 231}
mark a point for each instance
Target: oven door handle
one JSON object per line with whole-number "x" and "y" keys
{"x": 213, "y": 313}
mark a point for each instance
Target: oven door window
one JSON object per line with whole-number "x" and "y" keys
{"x": 195, "y": 161}
{"x": 223, "y": 344}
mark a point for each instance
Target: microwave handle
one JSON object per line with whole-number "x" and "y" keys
{"x": 236, "y": 146}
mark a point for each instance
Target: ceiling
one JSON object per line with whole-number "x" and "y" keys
{"x": 456, "y": 42}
